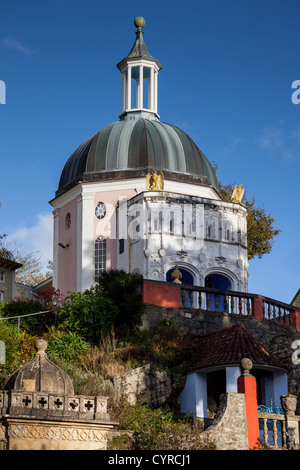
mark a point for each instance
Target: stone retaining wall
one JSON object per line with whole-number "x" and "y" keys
{"x": 229, "y": 428}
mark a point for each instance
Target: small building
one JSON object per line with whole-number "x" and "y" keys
{"x": 218, "y": 368}
{"x": 8, "y": 286}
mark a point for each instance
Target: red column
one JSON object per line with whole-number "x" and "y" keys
{"x": 257, "y": 309}
{"x": 247, "y": 385}
{"x": 296, "y": 320}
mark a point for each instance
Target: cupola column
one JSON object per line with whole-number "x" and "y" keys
{"x": 151, "y": 90}
{"x": 128, "y": 95}
{"x": 140, "y": 90}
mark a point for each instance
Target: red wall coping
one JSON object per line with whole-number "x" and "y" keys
{"x": 161, "y": 294}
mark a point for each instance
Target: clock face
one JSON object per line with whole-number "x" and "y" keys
{"x": 68, "y": 220}
{"x": 100, "y": 210}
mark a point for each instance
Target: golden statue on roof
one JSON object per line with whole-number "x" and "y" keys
{"x": 155, "y": 182}
{"x": 238, "y": 194}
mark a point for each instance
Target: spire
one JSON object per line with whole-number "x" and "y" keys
{"x": 140, "y": 66}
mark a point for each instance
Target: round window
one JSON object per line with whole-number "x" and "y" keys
{"x": 100, "y": 210}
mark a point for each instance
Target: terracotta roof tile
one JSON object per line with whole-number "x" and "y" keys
{"x": 229, "y": 346}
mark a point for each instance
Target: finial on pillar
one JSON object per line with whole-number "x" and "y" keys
{"x": 246, "y": 365}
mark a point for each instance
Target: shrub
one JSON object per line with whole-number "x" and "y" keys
{"x": 88, "y": 314}
{"x": 67, "y": 345}
{"x": 114, "y": 303}
{"x": 161, "y": 429}
{"x": 123, "y": 289}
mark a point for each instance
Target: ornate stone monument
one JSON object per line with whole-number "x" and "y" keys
{"x": 39, "y": 410}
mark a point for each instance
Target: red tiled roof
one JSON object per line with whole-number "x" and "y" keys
{"x": 229, "y": 346}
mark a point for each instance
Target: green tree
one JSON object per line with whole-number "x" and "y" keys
{"x": 31, "y": 272}
{"x": 124, "y": 290}
{"x": 115, "y": 302}
{"x": 260, "y": 225}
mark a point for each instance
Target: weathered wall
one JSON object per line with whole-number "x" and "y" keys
{"x": 229, "y": 428}
{"x": 145, "y": 385}
{"x": 32, "y": 434}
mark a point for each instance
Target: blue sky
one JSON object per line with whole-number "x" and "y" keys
{"x": 228, "y": 69}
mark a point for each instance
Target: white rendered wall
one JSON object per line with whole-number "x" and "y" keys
{"x": 222, "y": 249}
{"x": 232, "y": 375}
{"x": 273, "y": 389}
{"x": 193, "y": 398}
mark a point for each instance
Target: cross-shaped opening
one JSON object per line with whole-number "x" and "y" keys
{"x": 26, "y": 400}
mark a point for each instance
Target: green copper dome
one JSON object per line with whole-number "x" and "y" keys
{"x": 130, "y": 148}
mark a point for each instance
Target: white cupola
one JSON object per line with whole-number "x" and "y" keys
{"x": 141, "y": 67}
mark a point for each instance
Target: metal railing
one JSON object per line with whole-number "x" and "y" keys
{"x": 18, "y": 317}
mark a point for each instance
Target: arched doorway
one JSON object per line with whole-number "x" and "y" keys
{"x": 214, "y": 301}
{"x": 217, "y": 281}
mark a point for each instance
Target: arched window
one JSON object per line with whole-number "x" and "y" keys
{"x": 187, "y": 278}
{"x": 218, "y": 281}
{"x": 100, "y": 256}
{"x": 216, "y": 301}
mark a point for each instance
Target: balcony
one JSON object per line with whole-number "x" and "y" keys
{"x": 205, "y": 299}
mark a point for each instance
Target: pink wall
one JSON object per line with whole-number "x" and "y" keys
{"x": 67, "y": 258}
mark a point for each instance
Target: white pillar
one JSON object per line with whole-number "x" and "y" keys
{"x": 193, "y": 398}
{"x": 155, "y": 91}
{"x": 274, "y": 388}
{"x": 85, "y": 242}
{"x": 128, "y": 96}
{"x": 232, "y": 374}
{"x": 151, "y": 90}
{"x": 140, "y": 90}
{"x": 55, "y": 247}
{"x": 123, "y": 91}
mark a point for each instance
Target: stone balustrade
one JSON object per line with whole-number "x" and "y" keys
{"x": 205, "y": 299}
{"x": 53, "y": 406}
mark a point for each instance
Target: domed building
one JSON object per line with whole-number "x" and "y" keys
{"x": 140, "y": 195}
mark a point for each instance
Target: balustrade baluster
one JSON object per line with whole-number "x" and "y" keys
{"x": 207, "y": 301}
{"x": 199, "y": 300}
{"x": 225, "y": 303}
{"x": 275, "y": 436}
{"x": 240, "y": 306}
{"x": 283, "y": 434}
{"x": 248, "y": 307}
{"x": 191, "y": 292}
{"x": 216, "y": 302}
{"x": 274, "y": 312}
{"x": 279, "y": 313}
{"x": 269, "y": 311}
{"x": 232, "y": 304}
{"x": 265, "y": 431}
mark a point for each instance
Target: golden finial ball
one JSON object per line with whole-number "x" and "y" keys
{"x": 139, "y": 22}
